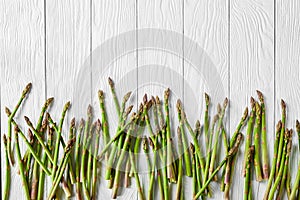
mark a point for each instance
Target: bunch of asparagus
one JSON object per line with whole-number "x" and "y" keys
{"x": 78, "y": 168}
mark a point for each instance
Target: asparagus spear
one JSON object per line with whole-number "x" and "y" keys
{"x": 256, "y": 132}
{"x": 264, "y": 146}
{"x": 153, "y": 144}
{"x": 20, "y": 163}
{"x": 186, "y": 154}
{"x": 275, "y": 157}
{"x": 296, "y": 184}
{"x": 194, "y": 181}
{"x": 247, "y": 181}
{"x": 61, "y": 168}
{"x": 94, "y": 183}
{"x": 231, "y": 152}
{"x": 90, "y": 158}
{"x": 10, "y": 118}
{"x": 285, "y": 153}
{"x": 56, "y": 150}
{"x": 77, "y": 157}
{"x": 206, "y": 120}
{"x": 7, "y": 171}
{"x": 281, "y": 140}
{"x": 136, "y": 176}
{"x": 249, "y": 133}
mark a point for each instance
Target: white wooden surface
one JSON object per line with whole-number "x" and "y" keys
{"x": 252, "y": 45}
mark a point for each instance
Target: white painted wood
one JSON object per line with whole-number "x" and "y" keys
{"x": 67, "y": 47}
{"x": 251, "y": 68}
{"x": 113, "y": 31}
{"x": 206, "y": 24}
{"x": 159, "y": 61}
{"x": 22, "y": 61}
{"x": 287, "y": 69}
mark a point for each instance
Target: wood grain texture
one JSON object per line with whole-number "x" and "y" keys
{"x": 251, "y": 68}
{"x": 67, "y": 47}
{"x": 22, "y": 61}
{"x": 113, "y": 40}
{"x": 287, "y": 69}
{"x": 159, "y": 61}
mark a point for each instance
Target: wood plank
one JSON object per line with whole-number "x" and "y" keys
{"x": 287, "y": 68}
{"x": 113, "y": 45}
{"x": 67, "y": 48}
{"x": 206, "y": 24}
{"x": 159, "y": 61}
{"x": 22, "y": 61}
{"x": 251, "y": 68}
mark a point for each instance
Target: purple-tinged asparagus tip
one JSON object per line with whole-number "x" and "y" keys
{"x": 179, "y": 105}
{"x": 28, "y": 121}
{"x": 89, "y": 110}
{"x": 27, "y": 89}
{"x": 167, "y": 93}
{"x": 216, "y": 118}
{"x": 70, "y": 145}
{"x": 129, "y": 109}
{"x": 7, "y": 111}
{"x": 16, "y": 129}
{"x": 153, "y": 99}
{"x": 67, "y": 105}
{"x": 197, "y": 124}
{"x": 81, "y": 123}
{"x": 157, "y": 100}
{"x": 30, "y": 135}
{"x": 126, "y": 97}
{"x": 207, "y": 99}
{"x": 192, "y": 148}
{"x": 283, "y": 104}
{"x": 219, "y": 109}
{"x": 260, "y": 96}
{"x": 252, "y": 102}
{"x": 49, "y": 101}
{"x": 145, "y": 99}
{"x": 245, "y": 115}
{"x": 98, "y": 125}
{"x": 225, "y": 103}
{"x": 278, "y": 126}
{"x": 111, "y": 82}
{"x": 72, "y": 123}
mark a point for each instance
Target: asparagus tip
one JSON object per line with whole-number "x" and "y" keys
{"x": 27, "y": 89}
{"x": 100, "y": 94}
{"x": 16, "y": 129}
{"x": 245, "y": 115}
{"x": 89, "y": 110}
{"x": 260, "y": 96}
{"x": 127, "y": 95}
{"x": 4, "y": 140}
{"x": 129, "y": 109}
{"x": 167, "y": 93}
{"x": 7, "y": 111}
{"x": 73, "y": 122}
{"x": 98, "y": 125}
{"x": 157, "y": 100}
{"x": 252, "y": 102}
{"x": 283, "y": 104}
{"x": 197, "y": 124}
{"x": 297, "y": 126}
{"x": 219, "y": 109}
{"x": 179, "y": 104}
{"x": 111, "y": 82}
{"x": 67, "y": 105}
{"x": 145, "y": 99}
{"x": 207, "y": 99}
{"x": 28, "y": 121}
{"x": 215, "y": 119}
{"x": 81, "y": 123}
{"x": 70, "y": 145}
{"x": 153, "y": 99}
{"x": 30, "y": 136}
{"x": 49, "y": 101}
{"x": 226, "y": 101}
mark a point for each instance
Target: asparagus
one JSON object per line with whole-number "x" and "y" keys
{"x": 94, "y": 183}
{"x": 256, "y": 132}
{"x": 231, "y": 152}
{"x": 7, "y": 171}
{"x": 136, "y": 176}
{"x": 153, "y": 144}
{"x": 215, "y": 148}
{"x": 10, "y": 118}
{"x": 146, "y": 151}
{"x": 179, "y": 190}
{"x": 275, "y": 157}
{"x": 113, "y": 92}
{"x": 89, "y": 158}
{"x": 249, "y": 133}
{"x": 61, "y": 168}
{"x": 105, "y": 127}
{"x": 285, "y": 153}
{"x": 20, "y": 163}
{"x": 206, "y": 120}
{"x": 247, "y": 181}
{"x": 56, "y": 150}
{"x": 194, "y": 181}
{"x": 127, "y": 172}
{"x": 264, "y": 146}
{"x": 281, "y": 140}
{"x": 186, "y": 154}
{"x": 77, "y": 157}
{"x": 296, "y": 184}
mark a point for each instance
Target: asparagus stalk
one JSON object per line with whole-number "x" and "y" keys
{"x": 264, "y": 146}
{"x": 113, "y": 92}
{"x": 256, "y": 133}
{"x": 285, "y": 153}
{"x": 215, "y": 148}
{"x": 10, "y": 118}
{"x": 281, "y": 140}
{"x": 146, "y": 151}
{"x": 298, "y": 132}
{"x": 186, "y": 154}
{"x": 194, "y": 181}
{"x": 89, "y": 159}
{"x": 249, "y": 133}
{"x": 247, "y": 180}
{"x": 296, "y": 184}
{"x": 56, "y": 150}
{"x": 94, "y": 183}
{"x": 127, "y": 172}
{"x": 105, "y": 127}
{"x": 231, "y": 152}
{"x": 179, "y": 189}
{"x": 7, "y": 171}
{"x": 275, "y": 157}
{"x": 136, "y": 176}
{"x": 61, "y": 168}
{"x": 20, "y": 163}
{"x": 206, "y": 120}
{"x": 77, "y": 158}
{"x": 153, "y": 144}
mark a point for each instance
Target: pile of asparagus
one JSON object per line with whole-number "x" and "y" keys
{"x": 78, "y": 168}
